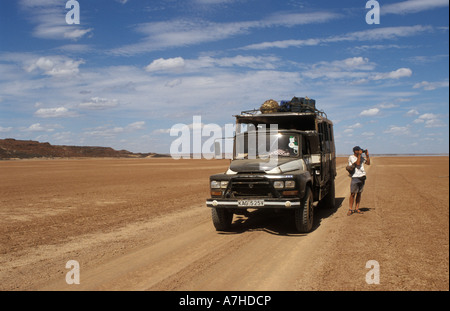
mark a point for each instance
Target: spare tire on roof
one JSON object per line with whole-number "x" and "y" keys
{"x": 269, "y": 106}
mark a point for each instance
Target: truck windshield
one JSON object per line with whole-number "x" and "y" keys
{"x": 257, "y": 146}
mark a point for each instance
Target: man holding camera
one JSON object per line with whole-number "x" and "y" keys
{"x": 357, "y": 161}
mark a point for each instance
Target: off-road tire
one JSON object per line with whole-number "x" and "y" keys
{"x": 330, "y": 199}
{"x": 221, "y": 218}
{"x": 304, "y": 216}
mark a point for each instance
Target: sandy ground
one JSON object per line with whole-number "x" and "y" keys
{"x": 142, "y": 224}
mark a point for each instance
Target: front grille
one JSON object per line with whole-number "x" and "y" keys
{"x": 250, "y": 188}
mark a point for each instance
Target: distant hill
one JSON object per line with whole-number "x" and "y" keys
{"x": 24, "y": 149}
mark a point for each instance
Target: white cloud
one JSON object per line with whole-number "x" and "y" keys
{"x": 412, "y": 6}
{"x": 293, "y": 19}
{"x": 388, "y": 105}
{"x": 429, "y": 86}
{"x": 412, "y": 112}
{"x": 355, "y": 70}
{"x": 76, "y": 33}
{"x": 170, "y": 64}
{"x": 383, "y": 33}
{"x": 359, "y": 63}
{"x": 430, "y": 120}
{"x": 253, "y": 62}
{"x": 396, "y": 74}
{"x": 174, "y": 83}
{"x": 355, "y": 62}
{"x": 133, "y": 86}
{"x": 427, "y": 59}
{"x": 98, "y": 103}
{"x": 55, "y": 66}
{"x": 77, "y": 48}
{"x": 426, "y": 116}
{"x": 204, "y": 62}
{"x": 283, "y": 44}
{"x": 355, "y": 67}
{"x": 49, "y": 17}
{"x": 183, "y": 32}
{"x": 5, "y": 129}
{"x": 397, "y": 130}
{"x": 103, "y": 131}
{"x": 365, "y": 48}
{"x": 110, "y": 132}
{"x": 370, "y": 112}
{"x": 139, "y": 125}
{"x": 161, "y": 131}
{"x": 59, "y": 112}
{"x": 355, "y": 126}
{"x": 37, "y": 127}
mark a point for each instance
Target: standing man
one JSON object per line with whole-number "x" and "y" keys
{"x": 358, "y": 177}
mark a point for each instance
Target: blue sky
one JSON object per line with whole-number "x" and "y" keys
{"x": 133, "y": 69}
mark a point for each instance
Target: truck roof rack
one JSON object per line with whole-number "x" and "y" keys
{"x": 308, "y": 110}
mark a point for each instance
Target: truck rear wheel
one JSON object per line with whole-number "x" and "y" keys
{"x": 221, "y": 218}
{"x": 330, "y": 198}
{"x": 304, "y": 216}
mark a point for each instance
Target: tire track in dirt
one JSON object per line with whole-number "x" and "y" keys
{"x": 175, "y": 247}
{"x": 268, "y": 255}
{"x": 262, "y": 252}
{"x": 145, "y": 267}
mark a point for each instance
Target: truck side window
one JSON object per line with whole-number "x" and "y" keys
{"x": 322, "y": 137}
{"x": 305, "y": 146}
{"x": 330, "y": 133}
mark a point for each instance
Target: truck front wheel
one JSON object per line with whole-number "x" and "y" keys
{"x": 221, "y": 218}
{"x": 304, "y": 216}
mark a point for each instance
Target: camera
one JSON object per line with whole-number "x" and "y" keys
{"x": 364, "y": 150}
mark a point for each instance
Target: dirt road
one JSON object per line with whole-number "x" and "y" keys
{"x": 142, "y": 224}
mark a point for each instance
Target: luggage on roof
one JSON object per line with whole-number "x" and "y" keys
{"x": 269, "y": 106}
{"x": 298, "y": 104}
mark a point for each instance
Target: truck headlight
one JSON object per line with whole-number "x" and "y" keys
{"x": 289, "y": 184}
{"x": 218, "y": 184}
{"x": 215, "y": 184}
{"x": 278, "y": 184}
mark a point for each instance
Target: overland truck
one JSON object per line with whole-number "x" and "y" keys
{"x": 297, "y": 175}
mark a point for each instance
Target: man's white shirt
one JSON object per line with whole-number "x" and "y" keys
{"x": 359, "y": 169}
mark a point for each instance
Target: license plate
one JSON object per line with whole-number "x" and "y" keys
{"x": 250, "y": 203}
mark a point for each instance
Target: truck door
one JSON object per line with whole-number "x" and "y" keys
{"x": 324, "y": 152}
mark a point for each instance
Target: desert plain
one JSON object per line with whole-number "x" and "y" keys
{"x": 142, "y": 224}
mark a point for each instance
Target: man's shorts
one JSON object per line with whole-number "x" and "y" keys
{"x": 357, "y": 184}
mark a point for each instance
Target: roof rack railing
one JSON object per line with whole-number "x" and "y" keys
{"x": 253, "y": 112}
{"x": 250, "y": 112}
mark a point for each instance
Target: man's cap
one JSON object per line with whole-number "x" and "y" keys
{"x": 356, "y": 148}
